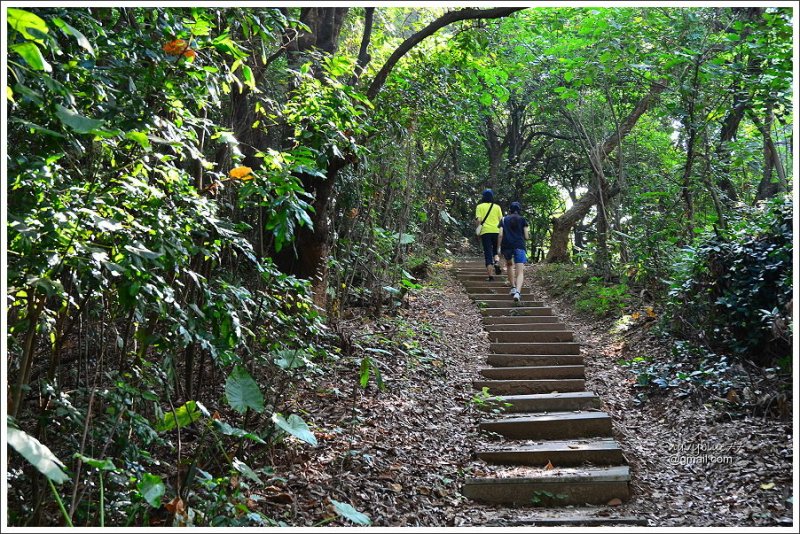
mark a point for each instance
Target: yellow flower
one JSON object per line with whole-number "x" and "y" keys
{"x": 241, "y": 173}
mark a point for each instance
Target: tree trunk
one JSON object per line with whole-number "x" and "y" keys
{"x": 363, "y": 52}
{"x": 690, "y": 126}
{"x": 562, "y": 225}
{"x": 730, "y": 124}
{"x": 769, "y": 186}
{"x": 494, "y": 151}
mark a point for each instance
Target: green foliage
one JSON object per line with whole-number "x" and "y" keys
{"x": 483, "y": 400}
{"x": 181, "y": 417}
{"x": 115, "y": 240}
{"x": 601, "y": 299}
{"x": 351, "y": 514}
{"x": 41, "y": 457}
{"x": 589, "y": 293}
{"x": 242, "y": 391}
{"x": 733, "y": 290}
{"x": 295, "y": 426}
{"x": 152, "y": 489}
{"x": 690, "y": 370}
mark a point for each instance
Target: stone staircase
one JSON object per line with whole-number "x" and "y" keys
{"x": 557, "y": 447}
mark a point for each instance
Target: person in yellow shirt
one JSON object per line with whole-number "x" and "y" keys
{"x": 487, "y": 216}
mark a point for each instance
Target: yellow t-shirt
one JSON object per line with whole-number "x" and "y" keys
{"x": 492, "y": 224}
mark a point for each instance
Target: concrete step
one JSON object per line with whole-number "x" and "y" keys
{"x": 524, "y": 326}
{"x": 499, "y": 295}
{"x": 524, "y": 387}
{"x": 520, "y": 319}
{"x": 554, "y": 487}
{"x": 573, "y": 516}
{"x": 548, "y": 402}
{"x": 524, "y": 360}
{"x": 560, "y": 453}
{"x": 498, "y": 290}
{"x": 555, "y": 425}
{"x": 535, "y": 348}
{"x": 517, "y": 311}
{"x": 499, "y": 282}
{"x": 533, "y": 372}
{"x": 574, "y": 519}
{"x": 508, "y": 302}
{"x": 475, "y": 276}
{"x": 527, "y": 336}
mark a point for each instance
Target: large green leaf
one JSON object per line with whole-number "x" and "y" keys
{"x": 295, "y": 426}
{"x": 290, "y": 359}
{"x": 32, "y": 56}
{"x": 405, "y": 239}
{"x": 245, "y": 469}
{"x": 103, "y": 465}
{"x": 351, "y": 514}
{"x": 79, "y": 123}
{"x": 242, "y": 391}
{"x": 143, "y": 252}
{"x": 228, "y": 430}
{"x": 69, "y": 30}
{"x": 37, "y": 454}
{"x": 183, "y": 416}
{"x": 21, "y": 20}
{"x": 249, "y": 79}
{"x": 152, "y": 489}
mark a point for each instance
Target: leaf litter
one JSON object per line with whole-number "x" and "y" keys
{"x": 400, "y": 456}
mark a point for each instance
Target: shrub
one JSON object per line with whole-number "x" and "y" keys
{"x": 733, "y": 290}
{"x": 590, "y": 293}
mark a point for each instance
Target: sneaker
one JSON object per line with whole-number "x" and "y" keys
{"x": 490, "y": 278}
{"x": 497, "y": 269}
{"x": 516, "y": 296}
{"x": 512, "y": 290}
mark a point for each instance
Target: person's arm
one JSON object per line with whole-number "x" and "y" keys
{"x": 527, "y": 233}
{"x": 500, "y": 238}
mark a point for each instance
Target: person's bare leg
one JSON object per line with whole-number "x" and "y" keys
{"x": 519, "y": 270}
{"x": 510, "y": 271}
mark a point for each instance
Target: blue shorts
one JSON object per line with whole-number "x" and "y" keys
{"x": 518, "y": 254}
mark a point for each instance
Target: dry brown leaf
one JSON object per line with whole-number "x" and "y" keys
{"x": 614, "y": 502}
{"x": 549, "y": 465}
{"x": 175, "y": 506}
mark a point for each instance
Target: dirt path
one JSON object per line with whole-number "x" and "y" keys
{"x": 400, "y": 455}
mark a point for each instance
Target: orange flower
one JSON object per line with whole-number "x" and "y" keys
{"x": 176, "y": 47}
{"x": 191, "y": 54}
{"x": 241, "y": 173}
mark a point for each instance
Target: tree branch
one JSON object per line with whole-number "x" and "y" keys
{"x": 363, "y": 55}
{"x": 430, "y": 29}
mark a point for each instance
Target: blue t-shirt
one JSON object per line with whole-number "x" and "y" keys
{"x": 513, "y": 231}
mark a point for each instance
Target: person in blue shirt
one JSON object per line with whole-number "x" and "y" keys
{"x": 511, "y": 239}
